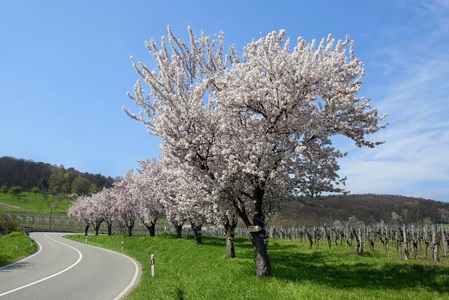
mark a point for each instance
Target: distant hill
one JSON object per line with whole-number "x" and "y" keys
{"x": 366, "y": 208}
{"x": 29, "y": 174}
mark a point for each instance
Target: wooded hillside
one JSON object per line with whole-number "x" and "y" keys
{"x": 29, "y": 174}
{"x": 368, "y": 208}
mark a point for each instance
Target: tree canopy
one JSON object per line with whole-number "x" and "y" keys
{"x": 81, "y": 186}
{"x": 252, "y": 130}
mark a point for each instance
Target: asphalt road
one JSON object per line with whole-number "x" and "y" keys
{"x": 63, "y": 269}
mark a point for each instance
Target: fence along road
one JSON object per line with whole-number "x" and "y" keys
{"x": 63, "y": 269}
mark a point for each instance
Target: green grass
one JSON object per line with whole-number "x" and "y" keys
{"x": 184, "y": 271}
{"x": 14, "y": 246}
{"x": 34, "y": 202}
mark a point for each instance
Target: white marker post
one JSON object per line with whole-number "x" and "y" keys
{"x": 152, "y": 265}
{"x": 122, "y": 246}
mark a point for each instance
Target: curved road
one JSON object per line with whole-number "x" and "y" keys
{"x": 63, "y": 269}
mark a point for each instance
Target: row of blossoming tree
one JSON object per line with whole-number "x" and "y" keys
{"x": 156, "y": 190}
{"x": 242, "y": 133}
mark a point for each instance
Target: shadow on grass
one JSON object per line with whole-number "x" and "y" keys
{"x": 336, "y": 269}
{"x": 341, "y": 271}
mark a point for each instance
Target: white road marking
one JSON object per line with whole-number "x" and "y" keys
{"x": 123, "y": 293}
{"x": 131, "y": 284}
{"x": 136, "y": 273}
{"x": 51, "y": 276}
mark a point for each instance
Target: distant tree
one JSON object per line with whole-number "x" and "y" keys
{"x": 93, "y": 188}
{"x": 4, "y": 189}
{"x": 54, "y": 192}
{"x": 56, "y": 182}
{"x": 66, "y": 186}
{"x": 108, "y": 182}
{"x": 16, "y": 191}
{"x": 20, "y": 172}
{"x": 28, "y": 174}
{"x": 42, "y": 184}
{"x": 35, "y": 190}
{"x": 81, "y": 186}
{"x": 45, "y": 195}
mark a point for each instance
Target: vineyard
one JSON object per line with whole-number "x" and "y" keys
{"x": 406, "y": 241}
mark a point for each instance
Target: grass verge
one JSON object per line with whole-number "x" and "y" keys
{"x": 184, "y": 271}
{"x": 14, "y": 246}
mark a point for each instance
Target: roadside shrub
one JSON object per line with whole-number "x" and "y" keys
{"x": 8, "y": 224}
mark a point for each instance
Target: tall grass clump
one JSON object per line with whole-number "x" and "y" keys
{"x": 14, "y": 246}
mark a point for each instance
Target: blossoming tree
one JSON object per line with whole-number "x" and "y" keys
{"x": 248, "y": 124}
{"x": 149, "y": 194}
{"x": 79, "y": 209}
{"x": 106, "y": 202}
{"x": 126, "y": 207}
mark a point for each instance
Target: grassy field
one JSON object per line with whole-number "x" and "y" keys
{"x": 14, "y": 246}
{"x": 184, "y": 271}
{"x": 34, "y": 202}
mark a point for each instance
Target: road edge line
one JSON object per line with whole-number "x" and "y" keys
{"x": 137, "y": 274}
{"x": 51, "y": 276}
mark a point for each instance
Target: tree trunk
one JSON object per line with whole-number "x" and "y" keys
{"x": 258, "y": 232}
{"x": 86, "y": 229}
{"x": 97, "y": 226}
{"x": 230, "y": 249}
{"x": 129, "y": 226}
{"x": 230, "y": 226}
{"x": 196, "y": 231}
{"x": 260, "y": 236}
{"x": 109, "y": 228}
{"x": 178, "y": 231}
{"x": 260, "y": 243}
{"x": 151, "y": 226}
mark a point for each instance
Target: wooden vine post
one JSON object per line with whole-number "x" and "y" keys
{"x": 435, "y": 245}
{"x": 442, "y": 239}
{"x": 404, "y": 233}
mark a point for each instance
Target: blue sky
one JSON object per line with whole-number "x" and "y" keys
{"x": 65, "y": 71}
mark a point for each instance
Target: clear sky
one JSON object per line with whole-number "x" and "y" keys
{"x": 65, "y": 71}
